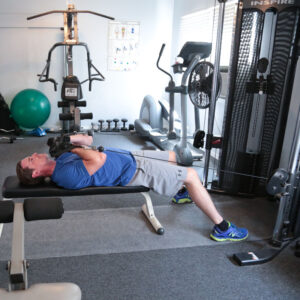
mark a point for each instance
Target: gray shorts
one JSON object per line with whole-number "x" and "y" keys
{"x": 154, "y": 171}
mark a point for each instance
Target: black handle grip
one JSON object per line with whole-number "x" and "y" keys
{"x": 66, "y": 116}
{"x": 158, "y": 59}
{"x": 86, "y": 116}
{"x": 69, "y": 116}
{"x": 67, "y": 104}
{"x": 161, "y": 50}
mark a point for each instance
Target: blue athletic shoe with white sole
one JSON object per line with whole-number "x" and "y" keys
{"x": 233, "y": 233}
{"x": 182, "y": 197}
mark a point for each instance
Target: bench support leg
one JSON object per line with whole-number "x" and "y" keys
{"x": 148, "y": 210}
{"x": 17, "y": 267}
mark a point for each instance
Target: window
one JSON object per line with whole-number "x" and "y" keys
{"x": 202, "y": 26}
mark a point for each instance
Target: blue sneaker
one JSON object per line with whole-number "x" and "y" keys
{"x": 233, "y": 233}
{"x": 182, "y": 197}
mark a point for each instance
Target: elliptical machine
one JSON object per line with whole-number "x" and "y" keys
{"x": 150, "y": 125}
{"x": 71, "y": 92}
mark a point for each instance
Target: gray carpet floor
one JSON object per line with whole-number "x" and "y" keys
{"x": 126, "y": 230}
{"x": 106, "y": 246}
{"x": 192, "y": 273}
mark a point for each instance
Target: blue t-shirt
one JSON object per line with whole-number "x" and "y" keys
{"x": 118, "y": 169}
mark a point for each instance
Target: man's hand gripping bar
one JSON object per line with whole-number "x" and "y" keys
{"x": 62, "y": 144}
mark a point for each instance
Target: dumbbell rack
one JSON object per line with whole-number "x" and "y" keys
{"x": 116, "y": 128}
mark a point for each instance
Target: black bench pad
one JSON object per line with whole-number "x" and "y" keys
{"x": 13, "y": 189}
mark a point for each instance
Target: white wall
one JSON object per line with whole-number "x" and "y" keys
{"x": 24, "y": 50}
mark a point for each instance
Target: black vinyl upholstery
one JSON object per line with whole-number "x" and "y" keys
{"x": 13, "y": 189}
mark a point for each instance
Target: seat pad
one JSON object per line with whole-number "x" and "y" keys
{"x": 12, "y": 188}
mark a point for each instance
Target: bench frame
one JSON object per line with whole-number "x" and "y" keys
{"x": 13, "y": 189}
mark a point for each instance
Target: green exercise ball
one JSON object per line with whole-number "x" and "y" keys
{"x": 30, "y": 108}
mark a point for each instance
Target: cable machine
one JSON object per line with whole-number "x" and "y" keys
{"x": 261, "y": 80}
{"x": 71, "y": 92}
{"x": 285, "y": 185}
{"x": 261, "y": 132}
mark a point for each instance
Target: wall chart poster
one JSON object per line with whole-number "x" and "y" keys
{"x": 123, "y": 45}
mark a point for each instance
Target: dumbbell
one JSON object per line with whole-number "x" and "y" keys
{"x": 108, "y": 125}
{"x": 124, "y": 126}
{"x": 116, "y": 128}
{"x": 101, "y": 124}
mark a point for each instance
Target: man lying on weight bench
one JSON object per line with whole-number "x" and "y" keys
{"x": 82, "y": 167}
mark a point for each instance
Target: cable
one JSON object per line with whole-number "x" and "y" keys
{"x": 243, "y": 174}
{"x": 159, "y": 159}
{"x": 102, "y": 149}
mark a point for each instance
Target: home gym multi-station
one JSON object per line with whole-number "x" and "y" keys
{"x": 250, "y": 166}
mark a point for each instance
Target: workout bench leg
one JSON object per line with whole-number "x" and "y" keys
{"x": 148, "y": 210}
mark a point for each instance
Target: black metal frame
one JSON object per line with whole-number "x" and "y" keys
{"x": 257, "y": 168}
{"x": 44, "y": 76}
{"x": 285, "y": 183}
{"x": 70, "y": 109}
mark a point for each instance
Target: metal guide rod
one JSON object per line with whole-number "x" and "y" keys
{"x": 212, "y": 106}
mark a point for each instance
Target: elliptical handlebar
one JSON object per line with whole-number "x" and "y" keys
{"x": 161, "y": 50}
{"x": 157, "y": 63}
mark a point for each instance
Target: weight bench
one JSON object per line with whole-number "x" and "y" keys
{"x": 13, "y": 189}
{"x": 16, "y": 213}
{"x": 41, "y": 202}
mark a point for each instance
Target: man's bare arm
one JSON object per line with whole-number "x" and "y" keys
{"x": 92, "y": 160}
{"x": 81, "y": 139}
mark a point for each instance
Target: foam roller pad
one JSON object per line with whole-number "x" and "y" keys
{"x": 6, "y": 211}
{"x": 43, "y": 208}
